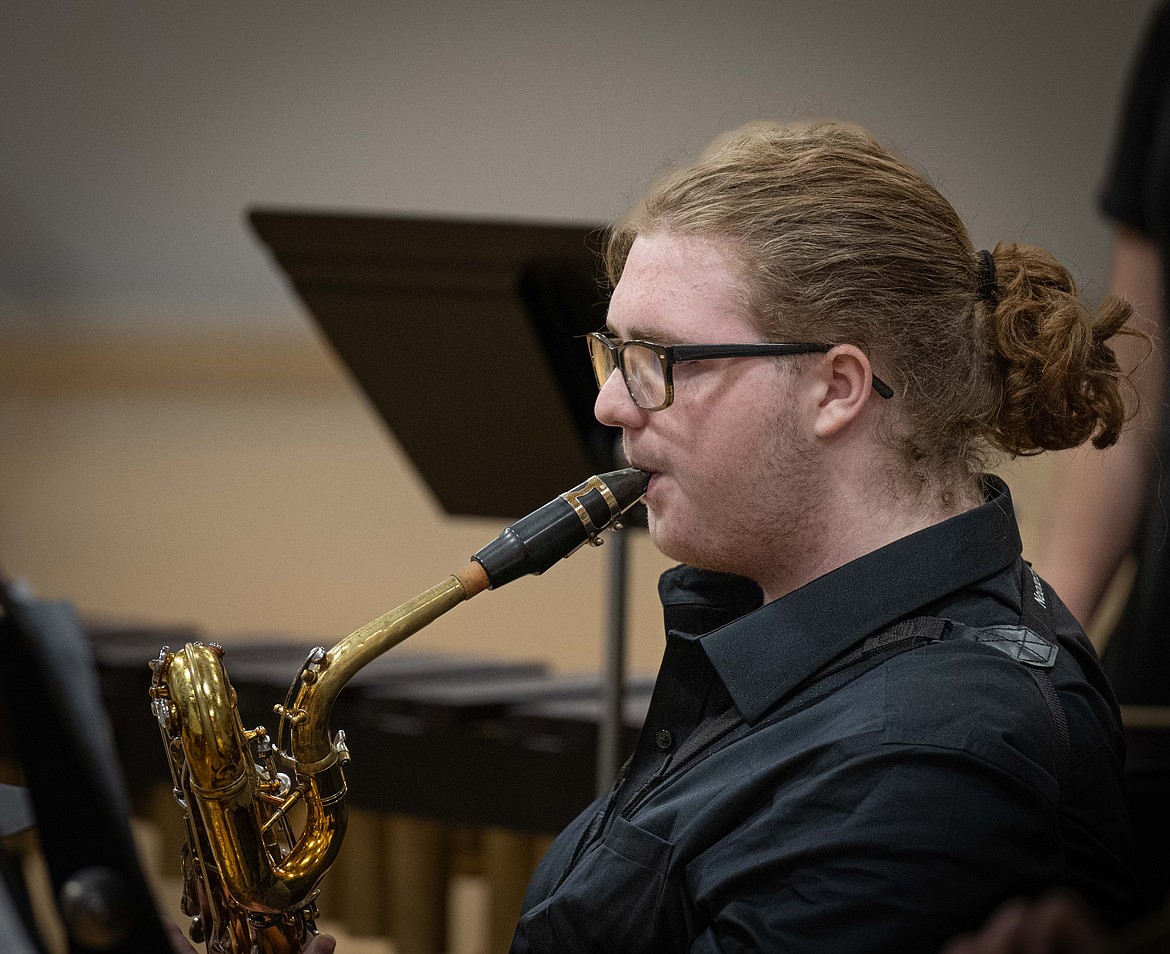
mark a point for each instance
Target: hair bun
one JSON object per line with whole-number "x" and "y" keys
{"x": 1061, "y": 383}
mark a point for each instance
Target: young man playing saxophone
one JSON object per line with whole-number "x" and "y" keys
{"x": 873, "y": 723}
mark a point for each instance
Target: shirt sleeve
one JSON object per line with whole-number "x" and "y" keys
{"x": 897, "y": 848}
{"x": 1128, "y": 177}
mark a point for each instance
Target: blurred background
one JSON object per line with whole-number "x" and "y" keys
{"x": 177, "y": 442}
{"x": 179, "y": 446}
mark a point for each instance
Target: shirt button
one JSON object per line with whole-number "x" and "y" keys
{"x": 663, "y": 739}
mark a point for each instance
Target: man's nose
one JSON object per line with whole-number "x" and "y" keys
{"x": 614, "y": 407}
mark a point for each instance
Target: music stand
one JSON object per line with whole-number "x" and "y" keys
{"x": 464, "y": 337}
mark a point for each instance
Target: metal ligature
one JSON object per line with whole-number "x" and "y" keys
{"x": 265, "y": 818}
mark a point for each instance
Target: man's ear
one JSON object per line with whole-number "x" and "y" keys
{"x": 847, "y": 384}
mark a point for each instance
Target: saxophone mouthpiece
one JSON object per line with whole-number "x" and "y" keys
{"x": 534, "y": 543}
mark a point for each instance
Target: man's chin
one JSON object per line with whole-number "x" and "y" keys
{"x": 657, "y": 528}
{"x": 689, "y": 548}
{"x": 670, "y": 543}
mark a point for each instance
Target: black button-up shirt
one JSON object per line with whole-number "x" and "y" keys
{"x": 888, "y": 815}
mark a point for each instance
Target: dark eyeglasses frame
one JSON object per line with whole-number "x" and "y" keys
{"x": 670, "y": 355}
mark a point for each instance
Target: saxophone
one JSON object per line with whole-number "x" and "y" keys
{"x": 265, "y": 820}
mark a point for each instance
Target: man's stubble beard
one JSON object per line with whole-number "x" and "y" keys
{"x": 772, "y": 531}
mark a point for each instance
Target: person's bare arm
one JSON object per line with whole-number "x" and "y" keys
{"x": 1097, "y": 496}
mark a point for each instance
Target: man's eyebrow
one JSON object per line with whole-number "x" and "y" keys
{"x": 643, "y": 333}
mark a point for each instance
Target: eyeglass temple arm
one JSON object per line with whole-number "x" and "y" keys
{"x": 680, "y": 353}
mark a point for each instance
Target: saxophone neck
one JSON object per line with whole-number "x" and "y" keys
{"x": 321, "y": 683}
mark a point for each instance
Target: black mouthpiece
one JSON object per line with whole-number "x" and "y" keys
{"x": 534, "y": 543}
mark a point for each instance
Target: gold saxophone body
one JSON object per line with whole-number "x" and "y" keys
{"x": 265, "y": 822}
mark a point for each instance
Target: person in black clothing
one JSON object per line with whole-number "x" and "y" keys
{"x": 873, "y": 722}
{"x": 1117, "y": 504}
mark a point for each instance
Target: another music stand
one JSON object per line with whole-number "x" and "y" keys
{"x": 464, "y": 335}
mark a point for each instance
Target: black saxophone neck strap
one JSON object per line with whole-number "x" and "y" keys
{"x": 1033, "y": 644}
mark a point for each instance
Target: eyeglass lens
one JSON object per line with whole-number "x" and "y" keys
{"x": 641, "y": 369}
{"x": 643, "y": 373}
{"x": 604, "y": 357}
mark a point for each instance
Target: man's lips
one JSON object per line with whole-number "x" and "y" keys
{"x": 652, "y": 471}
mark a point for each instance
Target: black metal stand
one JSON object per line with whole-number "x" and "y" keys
{"x": 609, "y": 745}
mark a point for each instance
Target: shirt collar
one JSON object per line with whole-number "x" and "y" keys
{"x": 764, "y": 655}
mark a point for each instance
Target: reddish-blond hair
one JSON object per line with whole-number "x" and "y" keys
{"x": 841, "y": 241}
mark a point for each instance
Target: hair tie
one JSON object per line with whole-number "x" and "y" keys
{"x": 985, "y": 288}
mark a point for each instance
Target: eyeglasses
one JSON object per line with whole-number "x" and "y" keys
{"x": 647, "y": 367}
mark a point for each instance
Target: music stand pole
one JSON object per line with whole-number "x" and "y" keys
{"x": 611, "y": 729}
